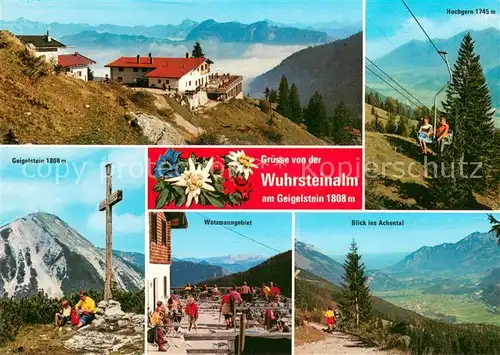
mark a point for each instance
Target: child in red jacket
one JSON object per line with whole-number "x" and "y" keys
{"x": 192, "y": 313}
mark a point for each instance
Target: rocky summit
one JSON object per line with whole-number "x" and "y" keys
{"x": 112, "y": 332}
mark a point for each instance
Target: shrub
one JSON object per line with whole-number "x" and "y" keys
{"x": 207, "y": 138}
{"x": 272, "y": 134}
{"x": 142, "y": 98}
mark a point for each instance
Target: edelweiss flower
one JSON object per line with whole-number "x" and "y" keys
{"x": 194, "y": 179}
{"x": 242, "y": 162}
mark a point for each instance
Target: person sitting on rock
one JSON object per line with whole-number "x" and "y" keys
{"x": 64, "y": 315}
{"x": 192, "y": 312}
{"x": 86, "y": 309}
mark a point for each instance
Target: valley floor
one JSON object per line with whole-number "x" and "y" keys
{"x": 463, "y": 308}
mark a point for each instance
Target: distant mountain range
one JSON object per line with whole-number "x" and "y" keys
{"x": 42, "y": 252}
{"x": 277, "y": 269}
{"x": 188, "y": 30}
{"x": 232, "y": 263}
{"x": 476, "y": 253}
{"x": 309, "y": 259}
{"x": 138, "y": 260}
{"x": 258, "y": 32}
{"x": 333, "y": 69}
{"x": 184, "y": 272}
{"x": 417, "y": 67}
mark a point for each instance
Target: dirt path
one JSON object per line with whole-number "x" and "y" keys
{"x": 337, "y": 343}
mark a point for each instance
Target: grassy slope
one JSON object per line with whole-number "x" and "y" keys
{"x": 53, "y": 109}
{"x": 57, "y": 109}
{"x": 243, "y": 122}
{"x": 398, "y": 188}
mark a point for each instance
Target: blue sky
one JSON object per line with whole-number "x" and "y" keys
{"x": 332, "y": 233}
{"x": 389, "y": 24}
{"x": 73, "y": 190}
{"x": 150, "y": 12}
{"x": 200, "y": 240}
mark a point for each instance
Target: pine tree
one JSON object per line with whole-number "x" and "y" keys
{"x": 495, "y": 226}
{"x": 294, "y": 102}
{"x": 340, "y": 121}
{"x": 273, "y": 96}
{"x": 356, "y": 305}
{"x": 315, "y": 117}
{"x": 197, "y": 51}
{"x": 403, "y": 127}
{"x": 470, "y": 114}
{"x": 266, "y": 93}
{"x": 284, "y": 97}
{"x": 392, "y": 126}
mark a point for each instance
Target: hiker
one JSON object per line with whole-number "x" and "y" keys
{"x": 330, "y": 319}
{"x": 269, "y": 318}
{"x": 246, "y": 293}
{"x": 164, "y": 86}
{"x": 225, "y": 309}
{"x": 275, "y": 292}
{"x": 188, "y": 287}
{"x": 86, "y": 310}
{"x": 64, "y": 314}
{"x": 215, "y": 290}
{"x": 424, "y": 135}
{"x": 192, "y": 311}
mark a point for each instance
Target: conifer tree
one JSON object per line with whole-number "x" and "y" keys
{"x": 273, "y": 96}
{"x": 403, "y": 127}
{"x": 266, "y": 93}
{"x": 469, "y": 166}
{"x": 356, "y": 305}
{"x": 315, "y": 116}
{"x": 340, "y": 121}
{"x": 284, "y": 97}
{"x": 294, "y": 102}
{"x": 197, "y": 51}
{"x": 495, "y": 226}
{"x": 392, "y": 126}
{"x": 469, "y": 111}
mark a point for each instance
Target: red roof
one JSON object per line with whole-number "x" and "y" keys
{"x": 163, "y": 67}
{"x": 71, "y": 60}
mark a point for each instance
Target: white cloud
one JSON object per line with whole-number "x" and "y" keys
{"x": 123, "y": 224}
{"x": 436, "y": 29}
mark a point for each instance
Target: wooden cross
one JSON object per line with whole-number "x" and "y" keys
{"x": 112, "y": 198}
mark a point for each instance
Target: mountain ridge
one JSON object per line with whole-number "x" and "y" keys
{"x": 41, "y": 251}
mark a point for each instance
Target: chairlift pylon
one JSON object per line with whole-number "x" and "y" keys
{"x": 448, "y": 140}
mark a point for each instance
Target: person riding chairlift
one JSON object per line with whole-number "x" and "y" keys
{"x": 424, "y": 135}
{"x": 442, "y": 131}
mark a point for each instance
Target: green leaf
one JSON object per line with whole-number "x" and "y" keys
{"x": 162, "y": 198}
{"x": 214, "y": 200}
{"x": 202, "y": 200}
{"x": 181, "y": 201}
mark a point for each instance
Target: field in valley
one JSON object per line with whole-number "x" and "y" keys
{"x": 448, "y": 308}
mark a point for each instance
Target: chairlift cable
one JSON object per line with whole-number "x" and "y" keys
{"x": 242, "y": 235}
{"x": 399, "y": 92}
{"x": 409, "y": 93}
{"x": 423, "y": 30}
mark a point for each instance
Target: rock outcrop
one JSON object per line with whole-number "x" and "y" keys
{"x": 112, "y": 332}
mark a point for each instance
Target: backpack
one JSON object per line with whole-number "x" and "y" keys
{"x": 75, "y": 318}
